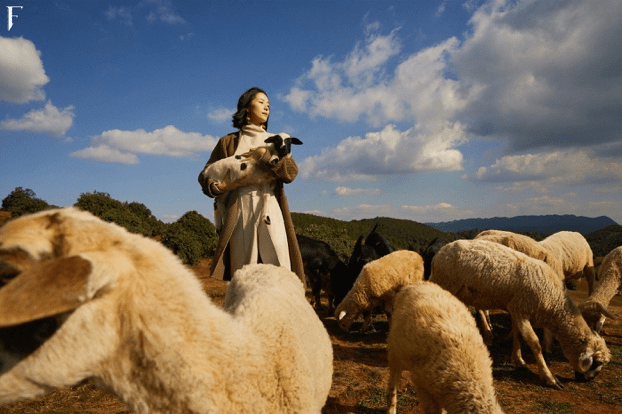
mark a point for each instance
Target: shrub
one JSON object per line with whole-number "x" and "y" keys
{"x": 21, "y": 202}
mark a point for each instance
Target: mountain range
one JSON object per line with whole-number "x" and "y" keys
{"x": 548, "y": 224}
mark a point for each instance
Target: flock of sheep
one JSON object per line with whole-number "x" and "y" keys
{"x": 81, "y": 298}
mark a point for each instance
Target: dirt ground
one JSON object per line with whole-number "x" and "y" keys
{"x": 360, "y": 373}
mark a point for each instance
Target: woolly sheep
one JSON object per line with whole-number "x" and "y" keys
{"x": 249, "y": 169}
{"x": 610, "y": 284}
{"x": 574, "y": 253}
{"x": 377, "y": 284}
{"x": 434, "y": 336}
{"x": 531, "y": 248}
{"x": 123, "y": 310}
{"x": 487, "y": 275}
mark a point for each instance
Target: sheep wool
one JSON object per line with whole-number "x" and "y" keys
{"x": 609, "y": 284}
{"x": 487, "y": 275}
{"x": 123, "y": 310}
{"x": 574, "y": 253}
{"x": 377, "y": 284}
{"x": 435, "y": 338}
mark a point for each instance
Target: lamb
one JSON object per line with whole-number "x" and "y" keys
{"x": 487, "y": 275}
{"x": 610, "y": 284}
{"x": 434, "y": 336}
{"x": 101, "y": 303}
{"x": 377, "y": 284}
{"x": 250, "y": 168}
{"x": 574, "y": 253}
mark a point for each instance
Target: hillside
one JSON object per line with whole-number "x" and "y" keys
{"x": 548, "y": 224}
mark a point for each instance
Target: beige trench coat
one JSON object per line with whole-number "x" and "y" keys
{"x": 286, "y": 169}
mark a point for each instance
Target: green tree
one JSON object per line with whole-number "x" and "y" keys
{"x": 192, "y": 236}
{"x": 23, "y": 201}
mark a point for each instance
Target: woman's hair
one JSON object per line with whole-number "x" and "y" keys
{"x": 239, "y": 118}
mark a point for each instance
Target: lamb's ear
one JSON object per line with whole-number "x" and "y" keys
{"x": 585, "y": 362}
{"x": 273, "y": 139}
{"x": 47, "y": 289}
{"x": 296, "y": 141}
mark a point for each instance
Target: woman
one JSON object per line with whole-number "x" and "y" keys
{"x": 244, "y": 237}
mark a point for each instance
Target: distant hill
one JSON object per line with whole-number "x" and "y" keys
{"x": 542, "y": 224}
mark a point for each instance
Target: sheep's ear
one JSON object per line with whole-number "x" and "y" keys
{"x": 273, "y": 139}
{"x": 296, "y": 141}
{"x": 594, "y": 307}
{"x": 46, "y": 289}
{"x": 585, "y": 362}
{"x": 342, "y": 314}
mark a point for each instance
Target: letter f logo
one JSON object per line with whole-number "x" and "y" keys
{"x": 11, "y": 15}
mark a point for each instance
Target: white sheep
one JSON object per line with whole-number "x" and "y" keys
{"x": 574, "y": 253}
{"x": 250, "y": 168}
{"x": 377, "y": 284}
{"x": 434, "y": 336}
{"x": 122, "y": 309}
{"x": 487, "y": 275}
{"x": 609, "y": 284}
{"x": 531, "y": 248}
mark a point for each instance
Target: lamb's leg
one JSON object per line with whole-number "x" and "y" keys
{"x": 517, "y": 357}
{"x": 486, "y": 326}
{"x": 265, "y": 217}
{"x": 531, "y": 338}
{"x": 427, "y": 401}
{"x": 395, "y": 377}
{"x": 367, "y": 315}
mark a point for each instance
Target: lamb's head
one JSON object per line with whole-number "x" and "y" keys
{"x": 283, "y": 144}
{"x": 53, "y": 280}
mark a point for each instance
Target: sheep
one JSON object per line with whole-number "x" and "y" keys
{"x": 574, "y": 253}
{"x": 250, "y": 168}
{"x": 434, "y": 336}
{"x": 610, "y": 283}
{"x": 487, "y": 275}
{"x": 531, "y": 248}
{"x": 377, "y": 284}
{"x": 123, "y": 310}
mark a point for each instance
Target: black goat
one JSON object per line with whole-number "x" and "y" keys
{"x": 429, "y": 253}
{"x": 322, "y": 266}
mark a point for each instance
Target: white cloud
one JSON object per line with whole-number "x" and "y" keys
{"x": 164, "y": 12}
{"x": 220, "y": 115}
{"x": 388, "y": 151}
{"x": 22, "y": 76}
{"x": 542, "y": 170}
{"x": 428, "y": 209}
{"x": 368, "y": 192}
{"x": 548, "y": 73}
{"x": 49, "y": 120}
{"x": 124, "y": 146}
{"x": 123, "y": 14}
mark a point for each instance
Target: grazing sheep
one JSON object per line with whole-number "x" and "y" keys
{"x": 377, "y": 284}
{"x": 609, "y": 284}
{"x": 574, "y": 253}
{"x": 434, "y": 336}
{"x": 99, "y": 302}
{"x": 249, "y": 168}
{"x": 531, "y": 248}
{"x": 487, "y": 275}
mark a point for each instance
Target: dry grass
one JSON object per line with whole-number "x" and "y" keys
{"x": 360, "y": 374}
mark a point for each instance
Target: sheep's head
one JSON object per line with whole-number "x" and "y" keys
{"x": 283, "y": 146}
{"x": 594, "y": 314}
{"x": 46, "y": 293}
{"x": 593, "y": 357}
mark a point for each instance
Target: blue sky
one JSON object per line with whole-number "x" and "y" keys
{"x": 430, "y": 110}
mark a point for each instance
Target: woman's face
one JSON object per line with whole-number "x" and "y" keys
{"x": 259, "y": 109}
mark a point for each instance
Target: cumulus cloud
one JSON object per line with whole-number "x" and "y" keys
{"x": 22, "y": 76}
{"x": 547, "y": 73}
{"x": 125, "y": 146}
{"x": 49, "y": 120}
{"x": 220, "y": 115}
{"x": 553, "y": 168}
{"x": 389, "y": 151}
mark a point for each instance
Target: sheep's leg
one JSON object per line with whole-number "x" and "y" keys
{"x": 589, "y": 277}
{"x": 264, "y": 216}
{"x": 484, "y": 318}
{"x": 531, "y": 338}
{"x": 367, "y": 315}
{"x": 517, "y": 357}
{"x": 427, "y": 401}
{"x": 395, "y": 377}
{"x": 547, "y": 339}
